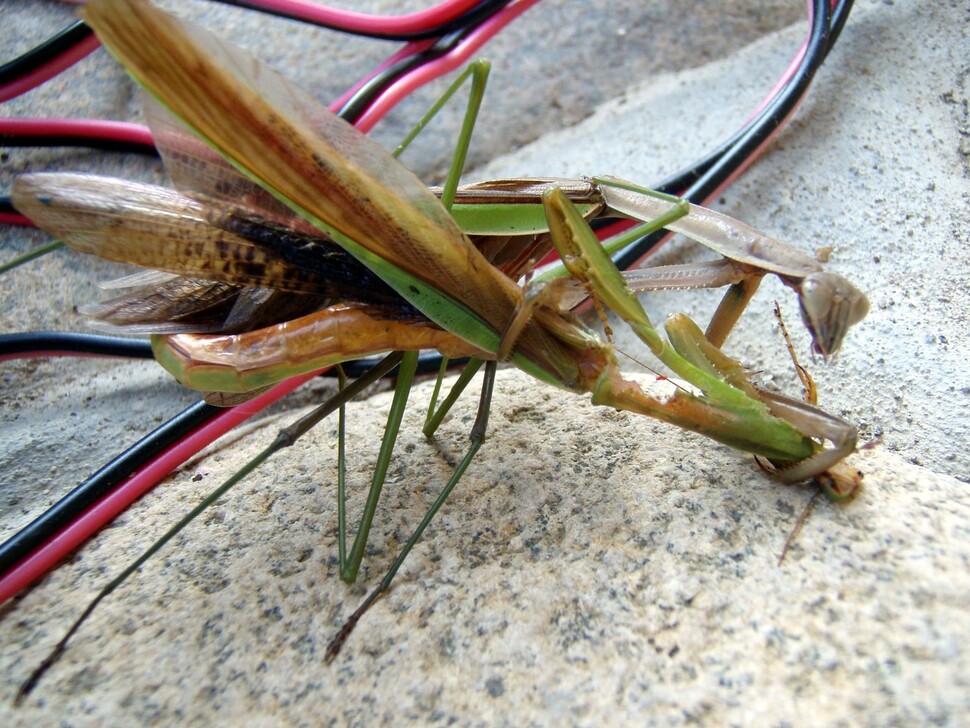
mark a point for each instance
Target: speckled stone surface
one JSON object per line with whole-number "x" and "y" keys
{"x": 593, "y": 566}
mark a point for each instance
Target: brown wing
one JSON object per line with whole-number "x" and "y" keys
{"x": 216, "y": 253}
{"x": 187, "y": 305}
{"x": 323, "y": 169}
{"x": 155, "y": 227}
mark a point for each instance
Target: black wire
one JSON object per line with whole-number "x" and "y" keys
{"x": 774, "y": 113}
{"x": 19, "y": 546}
{"x": 100, "y": 483}
{"x": 46, "y": 51}
{"x": 448, "y": 34}
{"x": 78, "y": 31}
{"x": 699, "y": 181}
{"x": 363, "y": 97}
{"x": 80, "y": 139}
{"x": 69, "y": 342}
{"x": 33, "y": 343}
{"x": 469, "y": 18}
{"x": 685, "y": 178}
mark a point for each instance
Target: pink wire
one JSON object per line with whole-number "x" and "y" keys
{"x": 47, "y": 556}
{"x": 346, "y": 20}
{"x": 14, "y": 218}
{"x": 49, "y": 69}
{"x": 114, "y": 131}
{"x": 792, "y": 67}
{"x": 438, "y": 67}
{"x": 779, "y": 85}
{"x": 354, "y": 22}
{"x": 416, "y": 22}
{"x": 406, "y": 51}
{"x": 759, "y": 150}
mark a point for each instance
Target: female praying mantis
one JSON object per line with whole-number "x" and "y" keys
{"x": 428, "y": 285}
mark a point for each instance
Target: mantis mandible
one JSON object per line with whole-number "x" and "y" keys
{"x": 350, "y": 189}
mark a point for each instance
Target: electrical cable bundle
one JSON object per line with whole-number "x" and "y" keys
{"x": 437, "y": 41}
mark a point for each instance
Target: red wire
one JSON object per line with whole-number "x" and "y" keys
{"x": 347, "y": 20}
{"x": 48, "y": 70}
{"x": 354, "y": 22}
{"x": 783, "y": 81}
{"x": 47, "y": 556}
{"x": 407, "y": 50}
{"x": 14, "y": 218}
{"x": 336, "y": 18}
{"x": 93, "y": 129}
{"x": 440, "y": 66}
{"x": 351, "y": 21}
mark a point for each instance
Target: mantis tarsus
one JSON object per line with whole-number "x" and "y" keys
{"x": 342, "y": 184}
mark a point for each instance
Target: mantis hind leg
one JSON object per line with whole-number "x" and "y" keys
{"x": 476, "y": 437}
{"x": 436, "y": 414}
{"x": 350, "y": 563}
{"x": 284, "y": 438}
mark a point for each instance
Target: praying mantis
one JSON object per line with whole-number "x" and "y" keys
{"x": 437, "y": 289}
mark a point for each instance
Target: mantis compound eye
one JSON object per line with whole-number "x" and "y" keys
{"x": 830, "y": 305}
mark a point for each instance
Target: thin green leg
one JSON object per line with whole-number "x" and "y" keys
{"x": 476, "y": 437}
{"x": 405, "y": 378}
{"x": 478, "y": 73}
{"x": 436, "y": 416}
{"x": 284, "y": 438}
{"x": 27, "y": 257}
{"x": 341, "y": 474}
{"x": 350, "y": 563}
{"x": 433, "y": 402}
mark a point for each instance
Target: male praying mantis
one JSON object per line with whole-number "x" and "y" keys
{"x": 436, "y": 288}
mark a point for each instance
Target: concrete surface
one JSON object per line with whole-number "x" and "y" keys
{"x": 593, "y": 566}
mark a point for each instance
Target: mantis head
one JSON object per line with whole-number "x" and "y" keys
{"x": 830, "y": 305}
